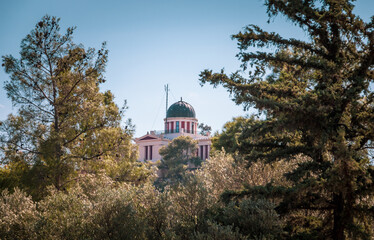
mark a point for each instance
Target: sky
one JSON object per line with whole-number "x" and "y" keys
{"x": 153, "y": 43}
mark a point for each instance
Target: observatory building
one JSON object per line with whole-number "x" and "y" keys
{"x": 180, "y": 120}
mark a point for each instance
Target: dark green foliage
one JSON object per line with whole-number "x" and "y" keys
{"x": 177, "y": 158}
{"x": 229, "y": 139}
{"x": 256, "y": 219}
{"x": 317, "y": 100}
{"x": 204, "y": 128}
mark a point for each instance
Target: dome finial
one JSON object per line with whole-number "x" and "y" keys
{"x": 181, "y": 99}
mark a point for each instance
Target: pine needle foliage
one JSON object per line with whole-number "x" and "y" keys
{"x": 317, "y": 99}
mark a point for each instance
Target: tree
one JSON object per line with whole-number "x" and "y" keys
{"x": 204, "y": 129}
{"x": 317, "y": 98}
{"x": 64, "y": 124}
{"x": 177, "y": 158}
{"x": 189, "y": 202}
{"x": 229, "y": 138}
{"x": 225, "y": 172}
{"x": 255, "y": 218}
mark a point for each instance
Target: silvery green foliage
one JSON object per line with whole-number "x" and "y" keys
{"x": 94, "y": 209}
{"x": 219, "y": 232}
{"x": 224, "y": 171}
{"x": 18, "y": 215}
{"x": 189, "y": 203}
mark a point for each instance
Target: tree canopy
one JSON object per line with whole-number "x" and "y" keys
{"x": 64, "y": 126}
{"x": 204, "y": 128}
{"x": 177, "y": 157}
{"x": 229, "y": 138}
{"x": 317, "y": 101}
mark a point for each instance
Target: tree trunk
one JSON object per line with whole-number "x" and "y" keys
{"x": 338, "y": 228}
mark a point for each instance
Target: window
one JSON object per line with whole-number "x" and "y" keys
{"x": 146, "y": 152}
{"x": 188, "y": 127}
{"x": 201, "y": 152}
{"x": 177, "y": 127}
{"x": 192, "y": 131}
{"x": 150, "y": 152}
{"x": 206, "y": 151}
{"x": 183, "y": 125}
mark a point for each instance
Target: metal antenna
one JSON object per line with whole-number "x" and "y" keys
{"x": 166, "y": 113}
{"x": 167, "y": 94}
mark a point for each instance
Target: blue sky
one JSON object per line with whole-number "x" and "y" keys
{"x": 152, "y": 43}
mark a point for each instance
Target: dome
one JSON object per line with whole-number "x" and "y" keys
{"x": 181, "y": 109}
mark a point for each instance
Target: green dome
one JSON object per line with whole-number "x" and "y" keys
{"x": 181, "y": 109}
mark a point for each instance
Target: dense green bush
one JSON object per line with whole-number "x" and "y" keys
{"x": 94, "y": 209}
{"x": 91, "y": 211}
{"x": 256, "y": 219}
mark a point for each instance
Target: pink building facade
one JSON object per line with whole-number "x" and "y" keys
{"x": 180, "y": 121}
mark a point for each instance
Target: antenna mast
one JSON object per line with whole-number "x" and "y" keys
{"x": 167, "y": 93}
{"x": 166, "y": 113}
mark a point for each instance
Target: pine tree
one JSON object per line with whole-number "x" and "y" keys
{"x": 64, "y": 125}
{"x": 177, "y": 158}
{"x": 204, "y": 129}
{"x": 317, "y": 98}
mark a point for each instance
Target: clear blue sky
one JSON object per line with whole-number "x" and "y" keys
{"x": 152, "y": 43}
